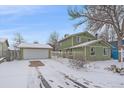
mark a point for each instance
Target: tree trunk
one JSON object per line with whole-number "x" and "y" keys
{"x": 120, "y": 50}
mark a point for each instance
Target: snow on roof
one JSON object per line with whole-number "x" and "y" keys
{"x": 86, "y": 43}
{"x": 12, "y": 48}
{"x": 27, "y": 45}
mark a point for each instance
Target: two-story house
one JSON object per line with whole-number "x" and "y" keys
{"x": 89, "y": 47}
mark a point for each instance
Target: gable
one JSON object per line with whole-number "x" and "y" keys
{"x": 85, "y": 34}
{"x": 75, "y": 39}
{"x": 84, "y": 37}
{"x": 66, "y": 43}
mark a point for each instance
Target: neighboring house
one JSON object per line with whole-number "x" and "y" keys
{"x": 115, "y": 49}
{"x": 114, "y": 52}
{"x": 89, "y": 47}
{"x": 34, "y": 51}
{"x": 4, "y": 47}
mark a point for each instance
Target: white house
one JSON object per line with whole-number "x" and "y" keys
{"x": 34, "y": 51}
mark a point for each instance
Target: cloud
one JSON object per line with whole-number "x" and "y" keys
{"x": 11, "y": 13}
{"x": 18, "y": 10}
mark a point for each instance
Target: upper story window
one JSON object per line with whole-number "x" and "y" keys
{"x": 92, "y": 51}
{"x": 105, "y": 51}
{"x": 78, "y": 39}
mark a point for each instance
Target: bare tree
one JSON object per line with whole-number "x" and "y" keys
{"x": 113, "y": 36}
{"x": 105, "y": 36}
{"x": 98, "y": 17}
{"x": 53, "y": 40}
{"x": 18, "y": 39}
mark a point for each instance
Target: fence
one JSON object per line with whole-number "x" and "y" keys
{"x": 9, "y": 54}
{"x": 76, "y": 58}
{"x": 14, "y": 54}
{"x": 4, "y": 54}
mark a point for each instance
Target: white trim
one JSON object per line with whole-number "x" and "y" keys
{"x": 86, "y": 43}
{"x": 27, "y": 45}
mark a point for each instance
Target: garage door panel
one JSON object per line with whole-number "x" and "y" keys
{"x": 35, "y": 53}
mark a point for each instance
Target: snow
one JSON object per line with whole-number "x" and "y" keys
{"x": 86, "y": 43}
{"x": 13, "y": 74}
{"x": 94, "y": 74}
{"x": 18, "y": 74}
{"x": 27, "y": 45}
{"x": 12, "y": 48}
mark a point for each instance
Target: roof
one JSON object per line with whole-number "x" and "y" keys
{"x": 27, "y": 45}
{"x": 2, "y": 40}
{"x": 88, "y": 43}
{"x": 76, "y": 34}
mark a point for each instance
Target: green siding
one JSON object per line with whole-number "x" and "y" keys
{"x": 83, "y": 39}
{"x": 85, "y": 51}
{"x": 99, "y": 54}
{"x": 71, "y": 41}
{"x": 66, "y": 43}
{"x": 79, "y": 50}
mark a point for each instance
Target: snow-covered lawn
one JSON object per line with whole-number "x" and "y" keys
{"x": 59, "y": 73}
{"x": 93, "y": 75}
{"x": 13, "y": 74}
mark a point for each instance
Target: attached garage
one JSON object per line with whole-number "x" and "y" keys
{"x": 35, "y": 51}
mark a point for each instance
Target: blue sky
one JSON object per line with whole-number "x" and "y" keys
{"x": 35, "y": 23}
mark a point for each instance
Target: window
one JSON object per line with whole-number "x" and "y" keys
{"x": 105, "y": 51}
{"x": 92, "y": 51}
{"x": 89, "y": 39}
{"x": 78, "y": 39}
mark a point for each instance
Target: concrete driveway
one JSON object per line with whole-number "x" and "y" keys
{"x": 23, "y": 74}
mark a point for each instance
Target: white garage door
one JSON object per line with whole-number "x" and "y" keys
{"x": 35, "y": 53}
